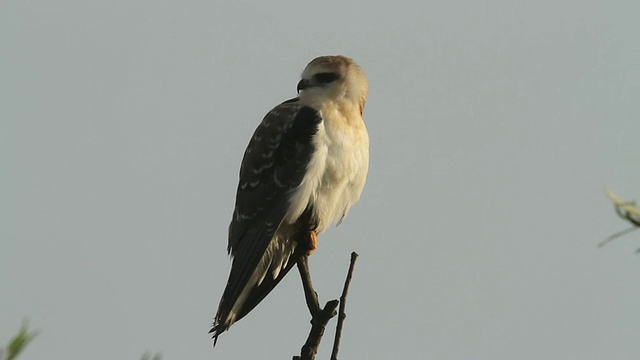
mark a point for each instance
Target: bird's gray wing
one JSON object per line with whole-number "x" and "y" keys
{"x": 274, "y": 164}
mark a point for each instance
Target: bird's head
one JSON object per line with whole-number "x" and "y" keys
{"x": 334, "y": 78}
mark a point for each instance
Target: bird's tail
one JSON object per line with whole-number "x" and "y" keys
{"x": 243, "y": 293}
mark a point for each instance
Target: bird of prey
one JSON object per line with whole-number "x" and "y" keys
{"x": 305, "y": 166}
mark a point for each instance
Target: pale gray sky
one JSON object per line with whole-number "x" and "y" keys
{"x": 495, "y": 129}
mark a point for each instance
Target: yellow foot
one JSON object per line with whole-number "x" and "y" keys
{"x": 312, "y": 242}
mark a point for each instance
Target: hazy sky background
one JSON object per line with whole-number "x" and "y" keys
{"x": 495, "y": 129}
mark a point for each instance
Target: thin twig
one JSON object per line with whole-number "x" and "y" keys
{"x": 343, "y": 303}
{"x": 617, "y": 235}
{"x": 319, "y": 316}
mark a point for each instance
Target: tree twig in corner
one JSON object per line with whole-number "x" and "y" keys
{"x": 343, "y": 303}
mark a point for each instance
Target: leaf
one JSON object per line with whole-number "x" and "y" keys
{"x": 627, "y": 210}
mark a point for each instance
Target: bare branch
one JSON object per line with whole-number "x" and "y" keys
{"x": 310, "y": 295}
{"x": 319, "y": 316}
{"x": 343, "y": 303}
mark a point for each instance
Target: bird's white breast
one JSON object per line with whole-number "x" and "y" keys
{"x": 337, "y": 171}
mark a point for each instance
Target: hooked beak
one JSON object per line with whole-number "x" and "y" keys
{"x": 303, "y": 84}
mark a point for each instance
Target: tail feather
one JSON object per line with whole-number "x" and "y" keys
{"x": 243, "y": 295}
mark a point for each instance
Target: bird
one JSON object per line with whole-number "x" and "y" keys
{"x": 305, "y": 166}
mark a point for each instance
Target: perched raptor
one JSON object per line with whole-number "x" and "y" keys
{"x": 305, "y": 166}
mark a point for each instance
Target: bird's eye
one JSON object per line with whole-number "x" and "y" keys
{"x": 325, "y": 78}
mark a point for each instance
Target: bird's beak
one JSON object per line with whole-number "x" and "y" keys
{"x": 303, "y": 84}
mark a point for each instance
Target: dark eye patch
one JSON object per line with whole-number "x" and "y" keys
{"x": 325, "y": 78}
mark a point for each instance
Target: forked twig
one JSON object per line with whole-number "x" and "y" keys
{"x": 320, "y": 316}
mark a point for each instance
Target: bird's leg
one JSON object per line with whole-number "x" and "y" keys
{"x": 313, "y": 242}
{"x": 307, "y": 242}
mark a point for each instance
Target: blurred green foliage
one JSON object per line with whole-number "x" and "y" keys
{"x": 19, "y": 342}
{"x": 24, "y": 337}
